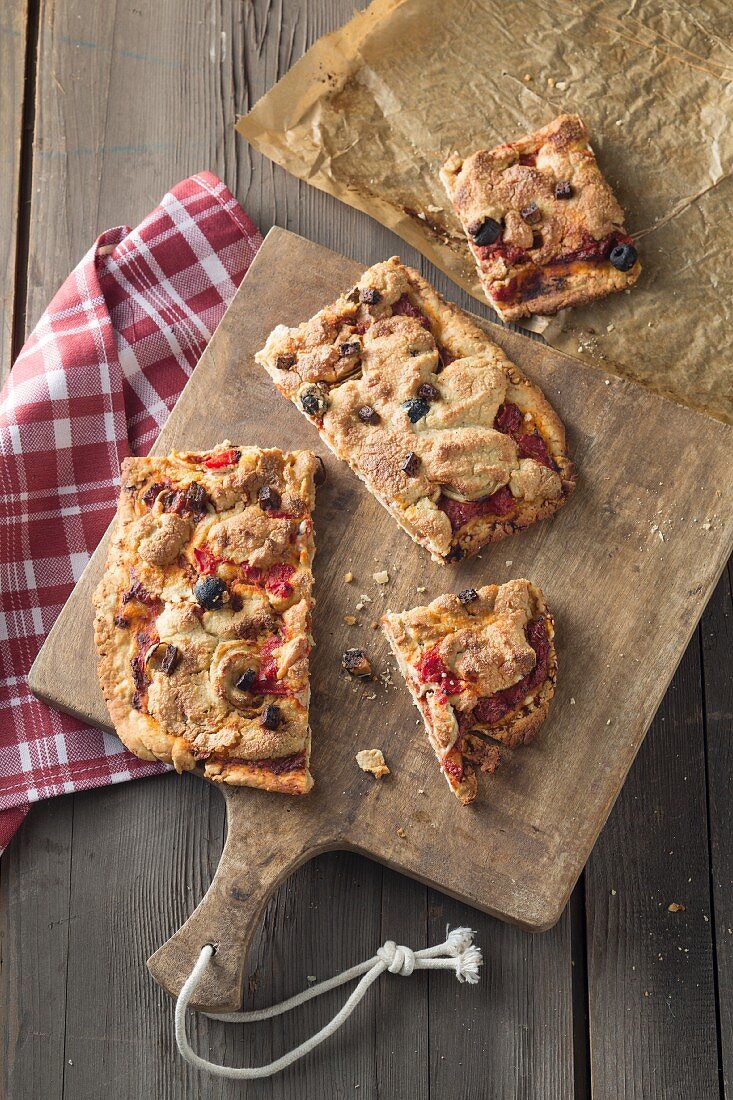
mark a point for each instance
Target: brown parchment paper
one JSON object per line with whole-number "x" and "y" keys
{"x": 372, "y": 110}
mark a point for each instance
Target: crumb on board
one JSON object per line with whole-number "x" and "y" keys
{"x": 421, "y": 588}
{"x": 402, "y": 834}
{"x": 348, "y": 577}
{"x": 676, "y": 907}
{"x": 350, "y": 620}
{"x": 356, "y": 663}
{"x": 372, "y": 760}
{"x": 381, "y": 577}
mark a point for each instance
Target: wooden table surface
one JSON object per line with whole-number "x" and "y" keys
{"x": 102, "y": 108}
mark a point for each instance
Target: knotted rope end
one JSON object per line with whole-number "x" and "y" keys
{"x": 469, "y": 958}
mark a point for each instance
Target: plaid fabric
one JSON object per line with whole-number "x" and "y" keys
{"x": 95, "y": 382}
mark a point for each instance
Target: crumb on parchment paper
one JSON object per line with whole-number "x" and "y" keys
{"x": 372, "y": 760}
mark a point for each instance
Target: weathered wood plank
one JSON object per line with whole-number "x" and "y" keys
{"x": 717, "y": 646}
{"x": 650, "y": 971}
{"x": 14, "y": 22}
{"x": 35, "y": 925}
{"x": 512, "y": 1034}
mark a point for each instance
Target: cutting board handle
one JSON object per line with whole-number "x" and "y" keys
{"x": 252, "y": 865}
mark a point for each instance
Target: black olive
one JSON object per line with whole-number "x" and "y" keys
{"x": 271, "y": 717}
{"x": 368, "y": 415}
{"x": 456, "y": 553}
{"x": 209, "y": 592}
{"x": 269, "y": 498}
{"x": 245, "y": 681}
{"x": 416, "y": 409}
{"x": 563, "y": 189}
{"x": 411, "y": 463}
{"x": 468, "y": 595}
{"x": 370, "y": 296}
{"x": 623, "y": 256}
{"x": 531, "y": 213}
{"x": 314, "y": 403}
{"x": 171, "y": 657}
{"x": 351, "y": 347}
{"x": 486, "y": 232}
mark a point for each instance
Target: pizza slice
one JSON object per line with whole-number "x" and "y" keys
{"x": 203, "y": 614}
{"x": 481, "y": 668}
{"x": 447, "y": 433}
{"x": 542, "y": 223}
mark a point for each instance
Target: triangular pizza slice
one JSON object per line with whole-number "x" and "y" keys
{"x": 203, "y": 614}
{"x": 481, "y": 668}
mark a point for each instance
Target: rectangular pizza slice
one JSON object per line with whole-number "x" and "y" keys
{"x": 481, "y": 668}
{"x": 203, "y": 614}
{"x": 448, "y": 434}
{"x": 542, "y": 223}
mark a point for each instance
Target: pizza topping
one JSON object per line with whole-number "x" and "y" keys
{"x": 269, "y": 498}
{"x": 468, "y": 595}
{"x": 171, "y": 657}
{"x": 495, "y": 707}
{"x": 427, "y": 392}
{"x": 139, "y": 594}
{"x": 563, "y": 189}
{"x": 285, "y": 362}
{"x": 271, "y": 716}
{"x": 486, "y": 232}
{"x": 531, "y": 213}
{"x": 356, "y": 662}
{"x": 209, "y": 593}
{"x": 459, "y": 512}
{"x": 350, "y": 347}
{"x": 277, "y": 582}
{"x": 416, "y": 409}
{"x": 192, "y": 500}
{"x": 410, "y": 464}
{"x": 533, "y": 446}
{"x": 368, "y": 415}
{"x": 623, "y": 256}
{"x": 314, "y": 402}
{"x": 452, "y": 764}
{"x": 405, "y": 308}
{"x": 151, "y": 494}
{"x": 432, "y": 669}
{"x": 246, "y": 680}
{"x": 370, "y": 296}
{"x": 508, "y": 419}
{"x": 121, "y": 622}
{"x": 223, "y": 458}
{"x": 206, "y": 562}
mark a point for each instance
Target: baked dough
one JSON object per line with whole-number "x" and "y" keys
{"x": 558, "y": 217}
{"x": 447, "y": 433}
{"x": 203, "y": 614}
{"x": 479, "y": 665}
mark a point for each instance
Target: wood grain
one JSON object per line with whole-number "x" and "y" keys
{"x": 252, "y": 45}
{"x": 13, "y": 45}
{"x": 525, "y": 846}
{"x": 716, "y": 631}
{"x": 651, "y": 971}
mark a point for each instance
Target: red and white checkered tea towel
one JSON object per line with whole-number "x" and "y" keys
{"x": 95, "y": 382}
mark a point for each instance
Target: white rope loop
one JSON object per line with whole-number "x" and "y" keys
{"x": 457, "y": 953}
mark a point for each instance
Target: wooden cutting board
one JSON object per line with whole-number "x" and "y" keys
{"x": 627, "y": 566}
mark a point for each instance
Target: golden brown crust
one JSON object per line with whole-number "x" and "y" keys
{"x": 171, "y": 657}
{"x": 408, "y": 391}
{"x": 540, "y": 263}
{"x": 481, "y": 664}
